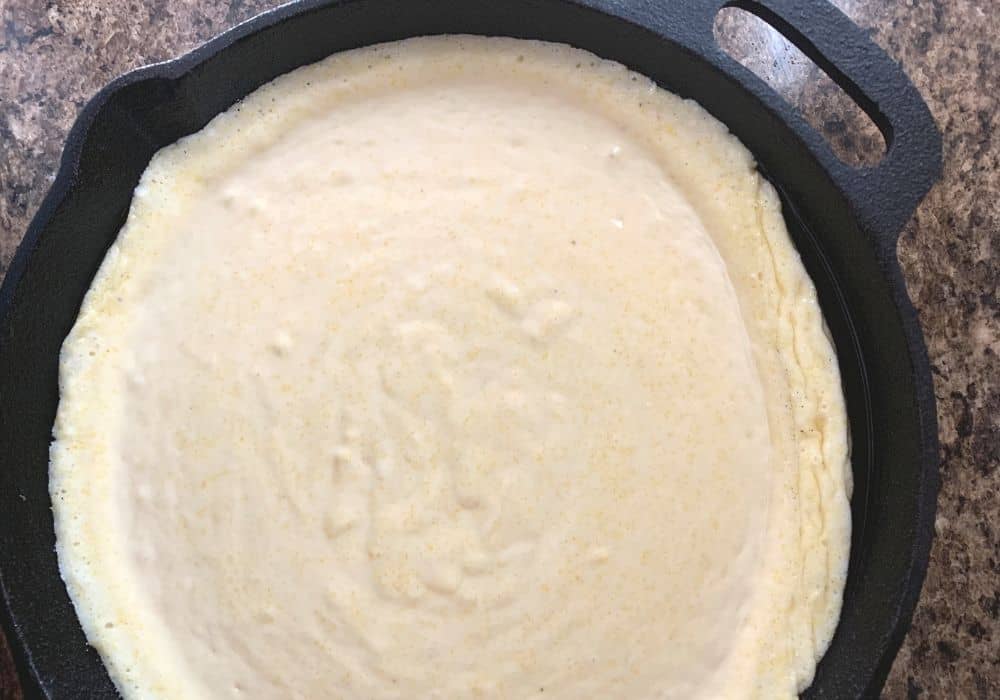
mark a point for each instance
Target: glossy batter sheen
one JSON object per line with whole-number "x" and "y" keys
{"x": 454, "y": 368}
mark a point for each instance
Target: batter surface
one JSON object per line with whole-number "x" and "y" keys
{"x": 453, "y": 368}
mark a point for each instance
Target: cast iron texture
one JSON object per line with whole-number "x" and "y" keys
{"x": 844, "y": 221}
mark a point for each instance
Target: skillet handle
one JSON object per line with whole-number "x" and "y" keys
{"x": 884, "y": 195}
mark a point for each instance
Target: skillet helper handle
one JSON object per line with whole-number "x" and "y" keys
{"x": 884, "y": 195}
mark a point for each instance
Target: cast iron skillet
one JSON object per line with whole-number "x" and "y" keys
{"x": 844, "y": 221}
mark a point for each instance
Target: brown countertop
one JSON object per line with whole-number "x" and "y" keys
{"x": 54, "y": 55}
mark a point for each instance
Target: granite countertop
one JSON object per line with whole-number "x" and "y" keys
{"x": 54, "y": 55}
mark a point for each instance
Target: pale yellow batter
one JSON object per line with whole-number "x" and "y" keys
{"x": 454, "y": 368}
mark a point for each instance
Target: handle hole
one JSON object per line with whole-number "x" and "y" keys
{"x": 757, "y": 45}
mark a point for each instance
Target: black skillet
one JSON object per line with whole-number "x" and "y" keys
{"x": 844, "y": 220}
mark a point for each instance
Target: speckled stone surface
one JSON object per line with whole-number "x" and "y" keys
{"x": 55, "y": 55}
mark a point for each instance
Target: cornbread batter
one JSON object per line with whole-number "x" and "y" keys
{"x": 454, "y": 368}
